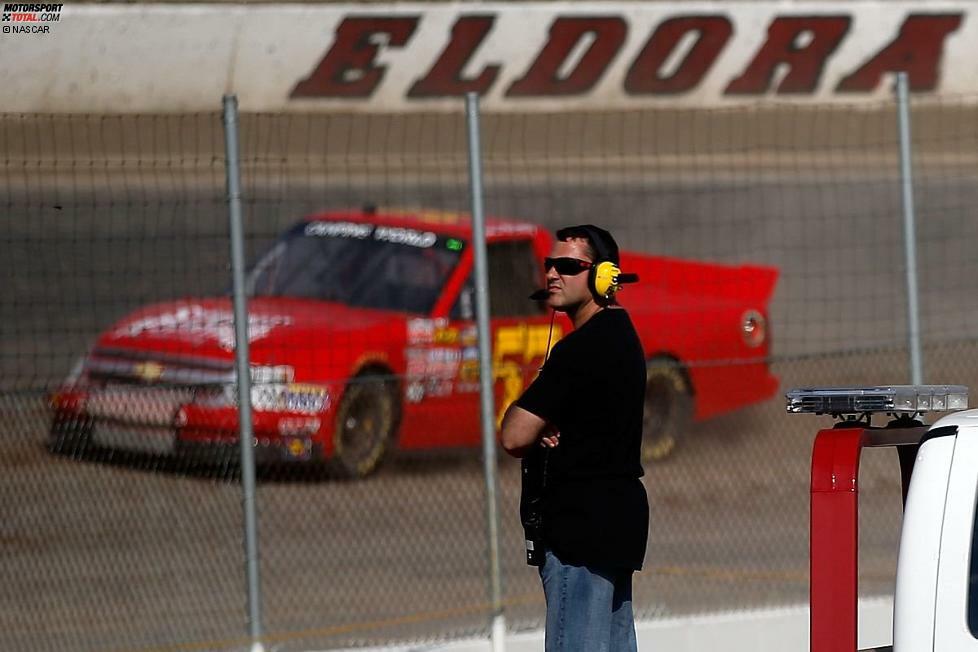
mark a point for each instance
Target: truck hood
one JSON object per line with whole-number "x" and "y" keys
{"x": 206, "y": 326}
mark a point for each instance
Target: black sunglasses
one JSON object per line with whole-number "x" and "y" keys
{"x": 567, "y": 266}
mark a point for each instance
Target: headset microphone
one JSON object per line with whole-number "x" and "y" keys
{"x": 627, "y": 278}
{"x": 540, "y": 295}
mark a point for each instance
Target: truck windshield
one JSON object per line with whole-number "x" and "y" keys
{"x": 362, "y": 265}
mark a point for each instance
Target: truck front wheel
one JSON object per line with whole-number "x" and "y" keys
{"x": 366, "y": 422}
{"x": 668, "y": 409}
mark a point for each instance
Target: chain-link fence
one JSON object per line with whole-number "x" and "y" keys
{"x": 116, "y": 249}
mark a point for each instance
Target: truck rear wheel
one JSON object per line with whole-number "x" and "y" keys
{"x": 668, "y": 409}
{"x": 366, "y": 422}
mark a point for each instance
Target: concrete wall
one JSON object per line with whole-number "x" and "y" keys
{"x": 159, "y": 58}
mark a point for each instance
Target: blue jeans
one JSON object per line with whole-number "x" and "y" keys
{"x": 588, "y": 610}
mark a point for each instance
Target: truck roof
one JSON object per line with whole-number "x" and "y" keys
{"x": 962, "y": 418}
{"x": 456, "y": 224}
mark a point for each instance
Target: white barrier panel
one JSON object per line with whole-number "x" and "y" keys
{"x": 784, "y": 629}
{"x": 519, "y": 56}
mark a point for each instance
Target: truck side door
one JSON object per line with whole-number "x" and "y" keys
{"x": 520, "y": 328}
{"x": 917, "y": 563}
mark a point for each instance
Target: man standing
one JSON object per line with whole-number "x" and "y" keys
{"x": 578, "y": 427}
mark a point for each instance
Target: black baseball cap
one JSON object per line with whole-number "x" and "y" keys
{"x": 605, "y": 247}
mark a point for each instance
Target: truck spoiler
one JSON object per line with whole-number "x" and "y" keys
{"x": 752, "y": 284}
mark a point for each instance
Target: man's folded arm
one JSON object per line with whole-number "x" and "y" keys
{"x": 521, "y": 429}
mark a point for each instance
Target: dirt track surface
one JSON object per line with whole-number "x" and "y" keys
{"x": 144, "y": 554}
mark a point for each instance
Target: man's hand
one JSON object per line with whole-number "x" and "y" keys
{"x": 522, "y": 429}
{"x": 550, "y": 438}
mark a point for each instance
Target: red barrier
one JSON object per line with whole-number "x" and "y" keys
{"x": 834, "y": 533}
{"x": 834, "y": 539}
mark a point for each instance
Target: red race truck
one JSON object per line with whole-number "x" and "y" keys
{"x": 362, "y": 336}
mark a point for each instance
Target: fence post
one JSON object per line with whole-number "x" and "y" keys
{"x": 498, "y": 625}
{"x": 909, "y": 231}
{"x": 243, "y": 370}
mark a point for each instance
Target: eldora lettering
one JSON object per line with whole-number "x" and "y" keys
{"x": 802, "y": 45}
{"x": 197, "y": 322}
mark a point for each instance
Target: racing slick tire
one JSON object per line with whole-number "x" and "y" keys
{"x": 668, "y": 408}
{"x": 366, "y": 423}
{"x": 71, "y": 435}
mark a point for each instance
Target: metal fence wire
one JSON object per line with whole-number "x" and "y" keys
{"x": 115, "y": 251}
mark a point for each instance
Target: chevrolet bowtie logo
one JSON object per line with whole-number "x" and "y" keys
{"x": 149, "y": 371}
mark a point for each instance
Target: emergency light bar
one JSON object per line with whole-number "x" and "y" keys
{"x": 892, "y": 399}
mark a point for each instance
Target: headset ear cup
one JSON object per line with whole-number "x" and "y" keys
{"x": 603, "y": 280}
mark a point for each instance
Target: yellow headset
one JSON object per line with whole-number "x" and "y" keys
{"x": 605, "y": 278}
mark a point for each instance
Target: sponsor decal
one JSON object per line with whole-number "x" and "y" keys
{"x": 414, "y": 392}
{"x": 516, "y": 346}
{"x": 446, "y": 335}
{"x": 308, "y": 399}
{"x": 198, "y": 324}
{"x": 339, "y": 230}
{"x": 298, "y": 446}
{"x": 419, "y": 390}
{"x": 469, "y": 370}
{"x": 29, "y": 18}
{"x": 434, "y": 362}
{"x": 293, "y": 397}
{"x": 438, "y": 387}
{"x": 524, "y": 342}
{"x": 421, "y": 330}
{"x": 434, "y": 365}
{"x": 469, "y": 337}
{"x": 409, "y": 237}
{"x": 297, "y": 426}
{"x": 396, "y": 235}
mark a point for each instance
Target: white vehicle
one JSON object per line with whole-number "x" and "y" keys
{"x": 936, "y": 602}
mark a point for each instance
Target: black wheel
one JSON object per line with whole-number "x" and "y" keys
{"x": 366, "y": 422}
{"x": 668, "y": 409}
{"x": 71, "y": 435}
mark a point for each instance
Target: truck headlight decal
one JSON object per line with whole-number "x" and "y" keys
{"x": 292, "y": 397}
{"x": 301, "y": 398}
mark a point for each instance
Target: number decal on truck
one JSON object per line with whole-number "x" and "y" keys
{"x": 516, "y": 347}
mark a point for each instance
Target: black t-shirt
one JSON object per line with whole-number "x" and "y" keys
{"x": 592, "y": 388}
